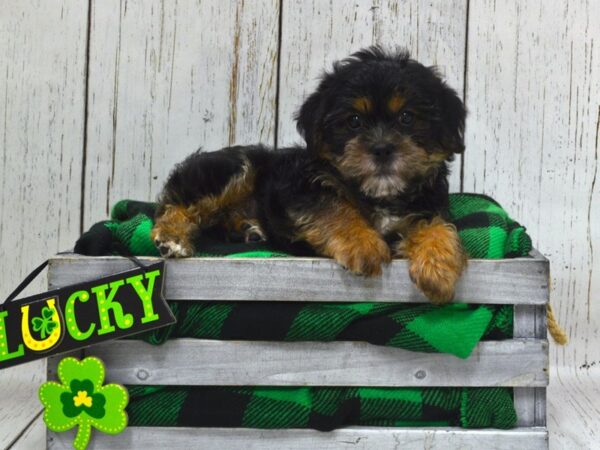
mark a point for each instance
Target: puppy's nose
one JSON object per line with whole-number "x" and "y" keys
{"x": 382, "y": 151}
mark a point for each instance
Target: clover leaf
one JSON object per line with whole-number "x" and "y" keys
{"x": 44, "y": 325}
{"x": 81, "y": 399}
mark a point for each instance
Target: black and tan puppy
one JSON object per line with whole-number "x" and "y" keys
{"x": 370, "y": 184}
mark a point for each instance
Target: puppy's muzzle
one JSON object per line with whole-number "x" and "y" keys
{"x": 383, "y": 152}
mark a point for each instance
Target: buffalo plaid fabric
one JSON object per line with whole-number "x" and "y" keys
{"x": 454, "y": 328}
{"x": 321, "y": 408}
{"x": 486, "y": 231}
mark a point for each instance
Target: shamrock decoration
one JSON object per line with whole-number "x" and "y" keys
{"x": 82, "y": 400}
{"x": 44, "y": 325}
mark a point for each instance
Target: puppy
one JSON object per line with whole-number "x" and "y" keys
{"x": 370, "y": 185}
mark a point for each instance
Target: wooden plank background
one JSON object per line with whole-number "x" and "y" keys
{"x": 99, "y": 99}
{"x": 42, "y": 108}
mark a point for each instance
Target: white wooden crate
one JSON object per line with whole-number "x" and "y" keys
{"x": 521, "y": 363}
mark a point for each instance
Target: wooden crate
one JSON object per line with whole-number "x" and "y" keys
{"x": 521, "y": 363}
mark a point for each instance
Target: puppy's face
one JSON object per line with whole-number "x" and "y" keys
{"x": 383, "y": 121}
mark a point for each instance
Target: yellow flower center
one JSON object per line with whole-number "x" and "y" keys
{"x": 82, "y": 398}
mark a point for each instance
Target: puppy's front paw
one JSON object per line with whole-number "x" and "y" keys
{"x": 172, "y": 234}
{"x": 436, "y": 277}
{"x": 436, "y": 260}
{"x": 364, "y": 255}
{"x": 170, "y": 247}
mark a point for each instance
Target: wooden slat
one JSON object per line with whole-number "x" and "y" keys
{"x": 524, "y": 401}
{"x": 168, "y": 77}
{"x": 521, "y": 362}
{"x": 520, "y": 280}
{"x": 529, "y": 321}
{"x": 530, "y": 403}
{"x": 359, "y": 438}
{"x": 315, "y": 33}
{"x": 540, "y": 407}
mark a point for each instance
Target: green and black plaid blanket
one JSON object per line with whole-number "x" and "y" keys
{"x": 487, "y": 232}
{"x": 321, "y": 408}
{"x": 454, "y": 328}
{"x": 484, "y": 227}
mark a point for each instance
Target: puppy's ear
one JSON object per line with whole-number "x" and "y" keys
{"x": 308, "y": 119}
{"x": 453, "y": 117}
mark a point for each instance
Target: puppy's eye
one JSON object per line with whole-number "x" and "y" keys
{"x": 354, "y": 121}
{"x": 407, "y": 118}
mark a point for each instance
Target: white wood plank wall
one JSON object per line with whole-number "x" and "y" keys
{"x": 99, "y": 98}
{"x": 533, "y": 92}
{"x": 42, "y": 108}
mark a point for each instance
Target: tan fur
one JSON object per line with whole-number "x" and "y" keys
{"x": 395, "y": 103}
{"x": 356, "y": 162}
{"x": 436, "y": 257}
{"x": 342, "y": 233}
{"x": 176, "y": 226}
{"x": 410, "y": 161}
{"x": 363, "y": 104}
{"x": 210, "y": 208}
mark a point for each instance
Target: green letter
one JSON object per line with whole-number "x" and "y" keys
{"x": 71, "y": 318}
{"x": 4, "y": 353}
{"x": 144, "y": 294}
{"x": 105, "y": 304}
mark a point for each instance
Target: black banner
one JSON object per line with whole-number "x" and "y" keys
{"x": 83, "y": 314}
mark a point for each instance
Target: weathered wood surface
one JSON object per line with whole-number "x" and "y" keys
{"x": 573, "y": 410}
{"x": 533, "y": 84}
{"x": 530, "y": 405}
{"x": 316, "y": 33}
{"x": 42, "y": 98}
{"x": 33, "y": 437}
{"x": 522, "y": 362}
{"x": 356, "y": 438}
{"x": 530, "y": 321}
{"x": 519, "y": 280}
{"x": 167, "y": 78}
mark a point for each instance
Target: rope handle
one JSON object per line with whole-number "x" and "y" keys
{"x": 556, "y": 331}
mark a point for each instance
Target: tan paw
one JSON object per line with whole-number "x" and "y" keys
{"x": 172, "y": 247}
{"x": 364, "y": 255}
{"x": 436, "y": 259}
{"x": 436, "y": 277}
{"x": 172, "y": 234}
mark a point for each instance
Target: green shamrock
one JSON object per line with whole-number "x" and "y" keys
{"x": 82, "y": 400}
{"x": 44, "y": 325}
